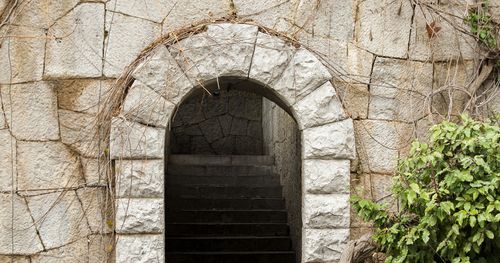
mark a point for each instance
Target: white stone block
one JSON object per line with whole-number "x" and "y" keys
{"x": 82, "y": 95}
{"x": 135, "y": 215}
{"x": 8, "y": 173}
{"x": 134, "y": 140}
{"x": 323, "y": 245}
{"x": 303, "y": 74}
{"x": 223, "y": 50}
{"x": 326, "y": 176}
{"x": 384, "y": 27}
{"x": 128, "y": 36}
{"x": 326, "y": 211}
{"x": 359, "y": 63}
{"x": 78, "y": 132}
{"x": 160, "y": 72}
{"x": 330, "y": 141}
{"x": 319, "y": 107}
{"x": 17, "y": 224}
{"x": 59, "y": 218}
{"x": 139, "y": 248}
{"x": 94, "y": 171}
{"x": 97, "y": 207}
{"x": 142, "y": 178}
{"x": 75, "y": 44}
{"x": 46, "y": 165}
{"x": 144, "y": 105}
{"x": 33, "y": 112}
{"x": 154, "y": 11}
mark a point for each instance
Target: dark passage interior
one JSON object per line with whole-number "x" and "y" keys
{"x": 233, "y": 179}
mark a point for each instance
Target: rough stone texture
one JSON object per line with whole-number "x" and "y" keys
{"x": 323, "y": 245}
{"x": 184, "y": 12}
{"x": 326, "y": 176}
{"x": 379, "y": 143}
{"x": 359, "y": 64}
{"x": 97, "y": 209}
{"x": 75, "y": 43}
{"x": 21, "y": 59}
{"x": 82, "y": 95}
{"x": 331, "y": 141}
{"x": 17, "y": 224}
{"x": 223, "y": 50}
{"x": 14, "y": 259}
{"x": 399, "y": 89}
{"x": 94, "y": 171}
{"x": 495, "y": 11}
{"x": 139, "y": 216}
{"x": 8, "y": 173}
{"x": 133, "y": 140}
{"x": 3, "y": 123}
{"x": 229, "y": 123}
{"x": 303, "y": 74}
{"x": 326, "y": 211}
{"x": 33, "y": 111}
{"x": 80, "y": 251}
{"x": 42, "y": 13}
{"x": 272, "y": 14}
{"x": 319, "y": 107}
{"x": 270, "y": 58}
{"x": 78, "y": 132}
{"x": 127, "y": 37}
{"x": 142, "y": 178}
{"x": 139, "y": 248}
{"x": 144, "y": 105}
{"x": 161, "y": 73}
{"x": 46, "y": 165}
{"x": 384, "y": 27}
{"x": 59, "y": 218}
{"x": 355, "y": 98}
{"x": 152, "y": 10}
{"x": 447, "y": 43}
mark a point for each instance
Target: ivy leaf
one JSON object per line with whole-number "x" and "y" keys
{"x": 425, "y": 236}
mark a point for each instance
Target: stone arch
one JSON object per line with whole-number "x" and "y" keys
{"x": 293, "y": 78}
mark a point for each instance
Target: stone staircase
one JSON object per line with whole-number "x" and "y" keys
{"x": 223, "y": 209}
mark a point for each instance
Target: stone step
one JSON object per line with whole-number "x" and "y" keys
{"x": 253, "y": 180}
{"x": 227, "y": 229}
{"x": 220, "y": 160}
{"x": 231, "y": 257}
{"x": 224, "y": 192}
{"x": 228, "y": 203}
{"x": 226, "y": 243}
{"x": 226, "y": 216}
{"x": 218, "y": 170}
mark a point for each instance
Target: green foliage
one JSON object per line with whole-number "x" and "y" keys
{"x": 449, "y": 194}
{"x": 482, "y": 26}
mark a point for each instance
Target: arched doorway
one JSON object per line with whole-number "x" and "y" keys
{"x": 291, "y": 77}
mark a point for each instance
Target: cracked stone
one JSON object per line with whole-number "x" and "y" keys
{"x": 133, "y": 140}
{"x": 82, "y": 95}
{"x": 323, "y": 245}
{"x": 78, "y": 133}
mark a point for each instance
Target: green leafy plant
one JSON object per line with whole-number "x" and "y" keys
{"x": 449, "y": 195}
{"x": 482, "y": 26}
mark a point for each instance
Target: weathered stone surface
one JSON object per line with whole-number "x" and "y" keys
{"x": 355, "y": 98}
{"x": 239, "y": 126}
{"x": 144, "y": 105}
{"x": 100, "y": 248}
{"x": 127, "y": 37}
{"x": 303, "y": 74}
{"x": 272, "y": 14}
{"x": 142, "y": 178}
{"x": 399, "y": 89}
{"x": 3, "y": 123}
{"x": 323, "y": 245}
{"x": 59, "y": 218}
{"x": 75, "y": 43}
{"x": 319, "y": 107}
{"x": 223, "y": 50}
{"x": 17, "y": 224}
{"x": 332, "y": 141}
{"x": 41, "y": 13}
{"x": 139, "y": 248}
{"x": 494, "y": 9}
{"x": 161, "y": 73}
{"x": 359, "y": 64}
{"x": 21, "y": 59}
{"x": 97, "y": 208}
{"x": 94, "y": 171}
{"x": 326, "y": 176}
{"x": 14, "y": 259}
{"x": 270, "y": 58}
{"x": 78, "y": 132}
{"x": 139, "y": 215}
{"x": 326, "y": 211}
{"x": 151, "y": 10}
{"x": 211, "y": 130}
{"x": 379, "y": 143}
{"x": 384, "y": 27}
{"x": 8, "y": 173}
{"x": 134, "y": 140}
{"x": 89, "y": 249}
{"x": 46, "y": 165}
{"x": 448, "y": 43}
{"x": 185, "y": 12}
{"x": 33, "y": 112}
{"x": 82, "y": 95}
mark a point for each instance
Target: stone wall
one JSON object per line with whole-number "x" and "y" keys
{"x": 227, "y": 123}
{"x": 282, "y": 140}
